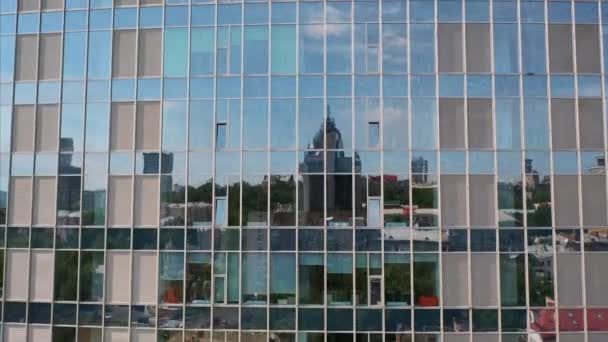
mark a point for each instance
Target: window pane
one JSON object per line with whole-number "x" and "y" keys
{"x": 283, "y": 49}
{"x": 176, "y": 53}
{"x": 255, "y": 55}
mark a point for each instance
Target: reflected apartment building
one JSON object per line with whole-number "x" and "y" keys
{"x": 302, "y": 170}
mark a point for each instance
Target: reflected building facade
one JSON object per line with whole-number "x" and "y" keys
{"x": 311, "y": 171}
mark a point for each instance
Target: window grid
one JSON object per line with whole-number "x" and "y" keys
{"x": 411, "y": 175}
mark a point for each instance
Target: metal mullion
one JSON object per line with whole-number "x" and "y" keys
{"x": 296, "y": 178}
{"x": 525, "y": 180}
{"x": 33, "y": 173}
{"x": 4, "y": 276}
{"x": 267, "y": 152}
{"x": 522, "y": 161}
{"x": 186, "y": 174}
{"x": 82, "y": 177}
{"x": 59, "y": 119}
{"x": 158, "y": 176}
{"x": 410, "y": 252}
{"x": 324, "y": 194}
{"x": 133, "y": 171}
{"x": 380, "y": 66}
{"x": 352, "y": 172}
{"x": 107, "y": 176}
{"x": 579, "y": 176}
{"x": 242, "y": 113}
{"x": 601, "y": 35}
{"x": 467, "y": 176}
{"x": 216, "y": 31}
{"x": 552, "y": 184}
{"x": 438, "y": 156}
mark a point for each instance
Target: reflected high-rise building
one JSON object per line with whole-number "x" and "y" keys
{"x": 333, "y": 192}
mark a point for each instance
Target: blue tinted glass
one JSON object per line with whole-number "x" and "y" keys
{"x": 449, "y": 11}
{"x": 23, "y": 164}
{"x": 8, "y": 6}
{"x": 422, "y": 11}
{"x": 479, "y": 86}
{"x": 507, "y": 86}
{"x": 311, "y": 12}
{"x": 71, "y": 4}
{"x": 121, "y": 163}
{"x": 150, "y": 17}
{"x": 100, "y": 19}
{"x": 422, "y": 52}
{"x": 73, "y": 92}
{"x": 585, "y": 12}
{"x": 46, "y": 164}
{"x": 533, "y": 48}
{"x": 559, "y": 12}
{"x": 97, "y": 122}
{"x": 423, "y": 85}
{"x": 506, "y": 58}
{"x": 72, "y": 121}
{"x": 508, "y": 135}
{"x": 453, "y": 162}
{"x": 75, "y": 20}
{"x": 98, "y": 91}
{"x": 148, "y": 89}
{"x": 310, "y": 86}
{"x": 101, "y": 3}
{"x": 256, "y": 13}
{"x": 228, "y": 14}
{"x": 52, "y": 22}
{"x": 28, "y": 23}
{"x": 125, "y": 17}
{"x": 478, "y": 11}
{"x": 481, "y": 162}
{"x": 203, "y": 15}
{"x": 174, "y": 125}
{"x": 589, "y": 86}
{"x": 99, "y": 62}
{"x": 7, "y": 58}
{"x": 394, "y": 11}
{"x": 228, "y": 87}
{"x": 505, "y": 11}
{"x": 255, "y": 87}
{"x": 339, "y": 86}
{"x": 562, "y": 86}
{"x": 6, "y": 92}
{"x": 535, "y": 86}
{"x": 592, "y": 162}
{"x": 532, "y": 11}
{"x": 394, "y": 85}
{"x": 123, "y": 90}
{"x": 176, "y": 16}
{"x": 201, "y": 87}
{"x": 7, "y": 23}
{"x": 48, "y": 92}
{"x": 284, "y": 12}
{"x": 451, "y": 85}
{"x": 424, "y": 123}
{"x": 536, "y": 124}
{"x": 367, "y": 86}
{"x": 565, "y": 163}
{"x": 74, "y": 55}
{"x": 283, "y": 86}
{"x": 176, "y": 88}
{"x": 25, "y": 93}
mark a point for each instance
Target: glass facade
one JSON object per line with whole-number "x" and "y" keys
{"x": 199, "y": 170}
